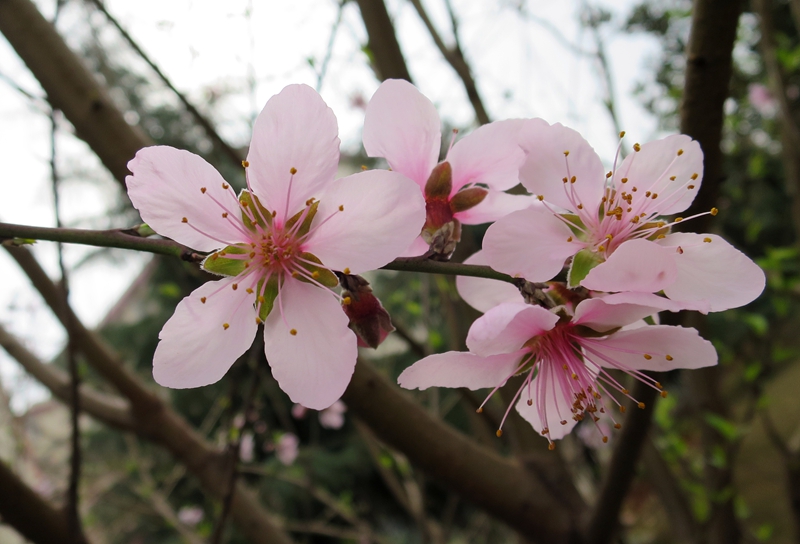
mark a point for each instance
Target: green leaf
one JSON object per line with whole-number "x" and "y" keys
{"x": 306, "y": 224}
{"x": 582, "y": 263}
{"x": 724, "y": 427}
{"x": 262, "y": 215}
{"x": 267, "y": 296}
{"x": 217, "y": 263}
{"x": 319, "y": 273}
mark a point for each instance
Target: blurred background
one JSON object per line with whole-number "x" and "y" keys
{"x": 597, "y": 66}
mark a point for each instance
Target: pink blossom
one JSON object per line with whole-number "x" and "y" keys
{"x": 610, "y": 224}
{"x": 277, "y": 244}
{"x": 402, "y": 126}
{"x": 247, "y": 447}
{"x": 761, "y": 99}
{"x": 287, "y": 448}
{"x": 333, "y": 417}
{"x": 565, "y": 357}
{"x": 191, "y": 515}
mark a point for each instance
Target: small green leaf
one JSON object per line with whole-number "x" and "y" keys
{"x": 306, "y": 224}
{"x": 319, "y": 273}
{"x": 217, "y": 263}
{"x": 262, "y": 215}
{"x": 267, "y": 296}
{"x": 724, "y": 427}
{"x": 582, "y": 264}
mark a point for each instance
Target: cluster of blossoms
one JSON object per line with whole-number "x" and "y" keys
{"x": 295, "y": 234}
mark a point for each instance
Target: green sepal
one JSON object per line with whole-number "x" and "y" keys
{"x": 217, "y": 263}
{"x": 325, "y": 276}
{"x": 575, "y": 224}
{"x": 467, "y": 198}
{"x": 582, "y": 264}
{"x": 440, "y": 182}
{"x": 305, "y": 226}
{"x": 586, "y": 332}
{"x": 268, "y": 295}
{"x": 262, "y": 215}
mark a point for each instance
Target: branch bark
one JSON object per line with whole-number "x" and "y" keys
{"x": 387, "y": 58}
{"x": 156, "y": 421}
{"x": 70, "y": 86}
{"x": 498, "y": 485}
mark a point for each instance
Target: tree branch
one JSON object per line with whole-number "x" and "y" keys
{"x": 455, "y": 58}
{"x": 70, "y": 86}
{"x": 33, "y": 517}
{"x": 499, "y": 486}
{"x": 385, "y": 54}
{"x": 126, "y": 239}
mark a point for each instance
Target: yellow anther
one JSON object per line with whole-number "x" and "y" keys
{"x": 679, "y": 250}
{"x": 224, "y": 215}
{"x": 292, "y": 170}
{"x": 346, "y": 271}
{"x": 245, "y": 164}
{"x": 252, "y": 254}
{"x": 622, "y": 134}
{"x": 680, "y": 152}
{"x": 249, "y": 290}
{"x": 648, "y": 356}
{"x": 341, "y": 207}
{"x": 601, "y": 248}
{"x": 566, "y": 153}
{"x": 622, "y": 409}
{"x": 658, "y": 385}
{"x": 295, "y": 274}
{"x": 617, "y": 426}
{"x": 707, "y": 240}
{"x": 714, "y": 211}
{"x": 564, "y": 180}
{"x": 293, "y": 332}
{"x": 572, "y": 179}
{"x": 545, "y": 431}
{"x": 273, "y": 213}
{"x": 678, "y": 219}
{"x": 225, "y": 186}
{"x": 668, "y": 357}
{"x": 563, "y": 421}
{"x": 655, "y": 196}
{"x": 690, "y": 187}
{"x": 637, "y": 147}
{"x": 647, "y": 194}
{"x": 574, "y": 376}
{"x": 261, "y": 299}
{"x": 609, "y": 174}
{"x": 499, "y": 433}
{"x": 363, "y": 167}
{"x": 184, "y": 220}
{"x": 641, "y": 406}
{"x": 347, "y": 300}
{"x": 635, "y": 219}
{"x": 672, "y": 178}
{"x": 625, "y": 180}
{"x": 235, "y": 286}
{"x": 309, "y": 202}
{"x": 258, "y": 321}
{"x": 203, "y": 300}
{"x": 634, "y": 189}
{"x": 315, "y": 274}
{"x": 203, "y": 190}
{"x": 605, "y": 439}
{"x": 625, "y": 391}
{"x": 226, "y": 326}
{"x": 580, "y": 206}
{"x": 479, "y": 410}
{"x": 610, "y": 237}
{"x": 540, "y": 197}
{"x": 551, "y": 446}
{"x": 569, "y": 239}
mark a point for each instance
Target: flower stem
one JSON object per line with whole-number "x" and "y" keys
{"x": 137, "y": 239}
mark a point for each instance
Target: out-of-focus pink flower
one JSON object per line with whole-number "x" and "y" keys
{"x": 333, "y": 417}
{"x": 610, "y": 224}
{"x": 299, "y": 411}
{"x": 566, "y": 357}
{"x": 287, "y": 448}
{"x": 761, "y": 99}
{"x": 191, "y": 515}
{"x": 247, "y": 447}
{"x": 277, "y": 244}
{"x": 402, "y": 126}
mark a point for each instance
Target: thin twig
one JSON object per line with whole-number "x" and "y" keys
{"x": 201, "y": 119}
{"x": 323, "y": 69}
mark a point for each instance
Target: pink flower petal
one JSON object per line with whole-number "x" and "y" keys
{"x": 656, "y": 301}
{"x": 460, "y": 369}
{"x": 490, "y": 155}
{"x": 402, "y": 126}
{"x": 383, "y": 212}
{"x": 548, "y": 398}
{"x": 495, "y": 206}
{"x": 195, "y": 348}
{"x": 530, "y": 244}
{"x": 314, "y": 365}
{"x": 684, "y": 345}
{"x": 715, "y": 272}
{"x": 483, "y": 294}
{"x": 418, "y": 247}
{"x": 651, "y": 168}
{"x": 165, "y": 188}
{"x": 546, "y": 165}
{"x": 294, "y": 130}
{"x": 505, "y": 328}
{"x": 621, "y": 309}
{"x": 636, "y": 265}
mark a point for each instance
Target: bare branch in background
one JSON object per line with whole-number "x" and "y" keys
{"x": 455, "y": 57}
{"x": 223, "y": 146}
{"x": 384, "y": 50}
{"x": 323, "y": 69}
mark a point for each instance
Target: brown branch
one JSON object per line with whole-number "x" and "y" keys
{"x": 109, "y": 409}
{"x": 221, "y": 145}
{"x": 70, "y": 86}
{"x": 499, "y": 486}
{"x": 385, "y": 54}
{"x": 790, "y": 131}
{"x": 455, "y": 58}
{"x": 29, "y": 514}
{"x": 156, "y": 421}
